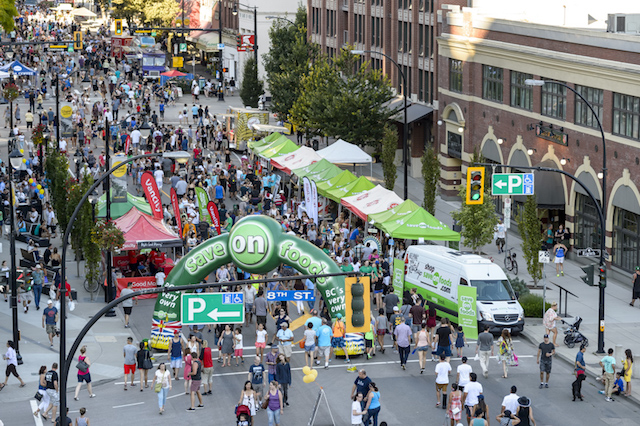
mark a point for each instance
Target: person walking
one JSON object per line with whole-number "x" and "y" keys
{"x": 454, "y": 406}
{"x": 505, "y": 352}
{"x": 175, "y": 354}
{"x": 422, "y": 346}
{"x": 549, "y": 321}
{"x": 274, "y": 404}
{"x": 510, "y": 402}
{"x": 49, "y": 320}
{"x": 443, "y": 368}
{"x": 501, "y": 232}
{"x": 324, "y": 335}
{"x": 161, "y": 385}
{"x": 83, "y": 373}
{"x": 372, "y": 408}
{"x": 285, "y": 340}
{"x": 129, "y": 352}
{"x": 42, "y": 390}
{"x": 226, "y": 344}
{"x": 559, "y": 251}
{"x": 608, "y": 363}
{"x": 207, "y": 368}
{"x": 403, "y": 340}
{"x": 546, "y": 350}
{"x": 478, "y": 419}
{"x": 472, "y": 392}
{"x": 51, "y": 383}
{"x": 248, "y": 398}
{"x": 283, "y": 377}
{"x": 627, "y": 370}
{"x": 257, "y": 374}
{"x": 12, "y": 363}
{"x": 525, "y": 412}
{"x": 507, "y": 419}
{"x": 309, "y": 344}
{"x": 196, "y": 380}
{"x": 127, "y": 305}
{"x": 356, "y": 410}
{"x": 635, "y": 279}
{"x": 337, "y": 341}
{"x": 484, "y": 349}
{"x": 38, "y": 281}
{"x": 144, "y": 364}
{"x": 83, "y": 420}
{"x": 443, "y": 339}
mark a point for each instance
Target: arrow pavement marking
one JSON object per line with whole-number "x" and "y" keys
{"x": 214, "y": 315}
{"x": 501, "y": 184}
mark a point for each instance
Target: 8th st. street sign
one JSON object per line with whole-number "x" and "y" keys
{"x": 512, "y": 184}
{"x": 212, "y": 308}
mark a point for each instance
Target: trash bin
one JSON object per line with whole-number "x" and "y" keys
{"x": 74, "y": 294}
{"x": 315, "y": 143}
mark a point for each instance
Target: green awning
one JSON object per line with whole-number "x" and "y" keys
{"x": 120, "y": 209}
{"x": 283, "y": 148}
{"x": 415, "y": 223}
{"x": 339, "y": 180}
{"x": 264, "y": 141}
{"x": 324, "y": 175}
{"x": 258, "y": 149}
{"x": 356, "y": 187}
{"x": 316, "y": 167}
{"x": 405, "y": 208}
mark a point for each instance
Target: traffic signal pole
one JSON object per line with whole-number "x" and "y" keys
{"x": 602, "y": 282}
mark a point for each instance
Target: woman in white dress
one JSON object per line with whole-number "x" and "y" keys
{"x": 248, "y": 398}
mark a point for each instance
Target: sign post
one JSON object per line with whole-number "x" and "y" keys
{"x": 512, "y": 184}
{"x": 544, "y": 257}
{"x": 212, "y": 308}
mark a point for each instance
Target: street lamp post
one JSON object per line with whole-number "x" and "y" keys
{"x": 15, "y": 161}
{"x": 603, "y": 246}
{"x": 255, "y": 27}
{"x": 405, "y": 130}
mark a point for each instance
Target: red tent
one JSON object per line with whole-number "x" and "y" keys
{"x": 143, "y": 231}
{"x": 173, "y": 73}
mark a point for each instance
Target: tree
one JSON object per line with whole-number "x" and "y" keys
{"x": 57, "y": 169}
{"x": 7, "y": 12}
{"x": 389, "y": 145}
{"x": 287, "y": 62}
{"x": 82, "y": 229}
{"x": 529, "y": 226}
{"x": 251, "y": 87}
{"x": 129, "y": 10}
{"x": 161, "y": 12}
{"x": 431, "y": 176}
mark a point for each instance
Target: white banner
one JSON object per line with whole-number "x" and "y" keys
{"x": 306, "y": 186}
{"x": 313, "y": 208}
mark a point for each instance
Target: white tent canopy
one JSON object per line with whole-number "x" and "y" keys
{"x": 301, "y": 157}
{"x": 83, "y": 11}
{"x": 343, "y": 152}
{"x": 375, "y": 200}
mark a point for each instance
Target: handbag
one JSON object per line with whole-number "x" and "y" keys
{"x": 301, "y": 344}
{"x": 265, "y": 403}
{"x": 82, "y": 366}
{"x": 38, "y": 396}
{"x": 157, "y": 387}
{"x": 147, "y": 364}
{"x": 513, "y": 360}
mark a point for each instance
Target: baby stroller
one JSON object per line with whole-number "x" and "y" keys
{"x": 571, "y": 334}
{"x": 243, "y": 416}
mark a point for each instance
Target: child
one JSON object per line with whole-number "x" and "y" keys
{"x": 261, "y": 341}
{"x": 461, "y": 341}
{"x": 368, "y": 340}
{"x": 237, "y": 345}
{"x": 618, "y": 385}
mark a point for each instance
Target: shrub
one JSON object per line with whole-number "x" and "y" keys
{"x": 518, "y": 286}
{"x": 532, "y": 305}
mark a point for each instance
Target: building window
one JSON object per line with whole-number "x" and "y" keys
{"x": 455, "y": 75}
{"x": 595, "y": 97}
{"x": 421, "y": 85}
{"x": 554, "y": 101}
{"x": 626, "y": 236}
{"x": 587, "y": 231}
{"x": 454, "y": 145}
{"x": 521, "y": 94}
{"x": 492, "y": 83}
{"x": 421, "y": 5}
{"x": 626, "y": 115}
{"x": 420, "y": 39}
{"x": 331, "y": 23}
{"x": 315, "y": 20}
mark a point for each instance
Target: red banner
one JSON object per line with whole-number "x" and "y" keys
{"x": 121, "y": 262}
{"x": 148, "y": 183}
{"x": 139, "y": 283}
{"x": 215, "y": 216}
{"x": 127, "y": 145}
{"x": 176, "y": 210}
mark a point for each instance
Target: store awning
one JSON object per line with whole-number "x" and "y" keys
{"x": 415, "y": 112}
{"x": 552, "y": 194}
{"x": 590, "y": 183}
{"x": 207, "y": 42}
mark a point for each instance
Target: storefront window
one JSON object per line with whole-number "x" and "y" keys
{"x": 626, "y": 235}
{"x": 587, "y": 232}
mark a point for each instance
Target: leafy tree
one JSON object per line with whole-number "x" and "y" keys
{"x": 7, "y": 12}
{"x": 287, "y": 62}
{"x": 129, "y": 10}
{"x": 251, "y": 87}
{"x": 57, "y": 169}
{"x": 529, "y": 226}
{"x": 389, "y": 145}
{"x": 431, "y": 176}
{"x": 82, "y": 229}
{"x": 161, "y": 12}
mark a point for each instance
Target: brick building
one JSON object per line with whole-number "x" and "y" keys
{"x": 485, "y": 105}
{"x": 405, "y": 30}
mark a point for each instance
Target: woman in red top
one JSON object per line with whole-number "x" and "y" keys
{"x": 207, "y": 367}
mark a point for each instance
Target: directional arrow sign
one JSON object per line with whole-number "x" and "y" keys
{"x": 512, "y": 184}
{"x": 212, "y": 308}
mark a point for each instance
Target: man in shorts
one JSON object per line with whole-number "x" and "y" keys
{"x": 257, "y": 376}
{"x": 196, "y": 380}
{"x": 285, "y": 339}
{"x": 49, "y": 320}
{"x": 324, "y": 337}
{"x": 260, "y": 308}
{"x": 546, "y": 350}
{"x": 51, "y": 380}
{"x": 129, "y": 352}
{"x": 337, "y": 341}
{"x": 175, "y": 354}
{"x": 249, "y": 298}
{"x": 127, "y": 305}
{"x": 443, "y": 368}
{"x": 472, "y": 393}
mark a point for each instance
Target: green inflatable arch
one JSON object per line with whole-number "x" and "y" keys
{"x": 256, "y": 244}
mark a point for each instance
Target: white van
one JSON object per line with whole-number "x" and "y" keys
{"x": 437, "y": 271}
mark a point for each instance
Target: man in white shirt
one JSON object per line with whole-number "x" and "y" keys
{"x": 159, "y": 177}
{"x": 160, "y": 276}
{"x": 135, "y": 139}
{"x": 472, "y": 391}
{"x": 249, "y": 297}
{"x": 510, "y": 402}
{"x": 443, "y": 368}
{"x": 462, "y": 376}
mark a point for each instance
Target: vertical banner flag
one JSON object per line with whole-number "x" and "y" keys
{"x": 119, "y": 180}
{"x": 176, "y": 210}
{"x": 313, "y": 214}
{"x": 203, "y": 200}
{"x": 467, "y": 311}
{"x": 214, "y": 215}
{"x": 153, "y": 195}
{"x": 398, "y": 278}
{"x": 306, "y": 186}
{"x": 127, "y": 144}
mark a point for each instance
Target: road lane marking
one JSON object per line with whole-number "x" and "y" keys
{"x": 34, "y": 407}
{"x": 128, "y": 405}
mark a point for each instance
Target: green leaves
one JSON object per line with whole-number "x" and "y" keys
{"x": 529, "y": 226}
{"x": 251, "y": 87}
{"x": 161, "y": 12}
{"x": 431, "y": 176}
{"x": 389, "y": 147}
{"x": 7, "y": 12}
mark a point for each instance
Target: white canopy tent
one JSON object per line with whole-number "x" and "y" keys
{"x": 84, "y": 12}
{"x": 294, "y": 160}
{"x": 343, "y": 152}
{"x": 375, "y": 200}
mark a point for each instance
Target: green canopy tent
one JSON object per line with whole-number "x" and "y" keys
{"x": 316, "y": 167}
{"x": 264, "y": 141}
{"x": 401, "y": 210}
{"x": 120, "y": 209}
{"x": 414, "y": 224}
{"x": 325, "y": 174}
{"x": 258, "y": 149}
{"x": 285, "y": 147}
{"x": 339, "y": 180}
{"x": 356, "y": 187}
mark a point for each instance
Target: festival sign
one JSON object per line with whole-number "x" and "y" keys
{"x": 214, "y": 215}
{"x": 153, "y": 195}
{"x": 203, "y": 200}
{"x": 176, "y": 210}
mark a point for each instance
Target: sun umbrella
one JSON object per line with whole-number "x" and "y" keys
{"x": 173, "y": 73}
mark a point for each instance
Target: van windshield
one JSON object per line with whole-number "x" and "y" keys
{"x": 493, "y": 290}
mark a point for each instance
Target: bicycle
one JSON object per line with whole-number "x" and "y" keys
{"x": 510, "y": 261}
{"x": 91, "y": 287}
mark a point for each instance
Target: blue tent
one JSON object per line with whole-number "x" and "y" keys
{"x": 18, "y": 69}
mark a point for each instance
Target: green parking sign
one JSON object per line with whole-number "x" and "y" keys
{"x": 183, "y": 47}
{"x": 212, "y": 308}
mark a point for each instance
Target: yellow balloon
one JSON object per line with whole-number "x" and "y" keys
{"x": 42, "y": 191}
{"x": 21, "y": 151}
{"x": 24, "y": 160}
{"x": 306, "y": 370}
{"x": 314, "y": 373}
{"x": 30, "y": 180}
{"x": 38, "y": 186}
{"x": 308, "y": 378}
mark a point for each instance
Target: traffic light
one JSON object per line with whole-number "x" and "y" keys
{"x": 77, "y": 40}
{"x": 588, "y": 279}
{"x": 118, "y": 26}
{"x": 239, "y": 40}
{"x": 602, "y": 274}
{"x": 357, "y": 304}
{"x": 475, "y": 185}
